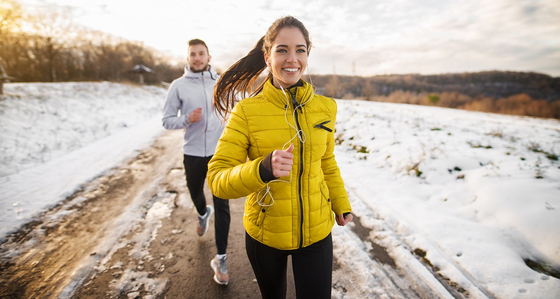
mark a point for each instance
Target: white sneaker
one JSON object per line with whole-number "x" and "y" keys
{"x": 219, "y": 266}
{"x": 203, "y": 221}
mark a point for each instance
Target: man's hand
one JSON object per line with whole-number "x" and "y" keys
{"x": 196, "y": 115}
{"x": 282, "y": 161}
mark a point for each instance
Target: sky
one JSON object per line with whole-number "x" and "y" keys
{"x": 356, "y": 37}
{"x": 476, "y": 191}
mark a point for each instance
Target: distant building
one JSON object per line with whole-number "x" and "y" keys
{"x": 141, "y": 69}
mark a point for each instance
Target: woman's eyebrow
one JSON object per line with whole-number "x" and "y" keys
{"x": 286, "y": 46}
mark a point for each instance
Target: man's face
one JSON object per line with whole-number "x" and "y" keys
{"x": 198, "y": 58}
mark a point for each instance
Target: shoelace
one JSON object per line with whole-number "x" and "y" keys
{"x": 222, "y": 265}
{"x": 202, "y": 220}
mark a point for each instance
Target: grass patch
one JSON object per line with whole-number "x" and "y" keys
{"x": 415, "y": 169}
{"x": 361, "y": 149}
{"x": 478, "y": 145}
{"x": 338, "y": 139}
{"x": 496, "y": 133}
{"x": 534, "y": 147}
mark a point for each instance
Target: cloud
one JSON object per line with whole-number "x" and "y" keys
{"x": 359, "y": 36}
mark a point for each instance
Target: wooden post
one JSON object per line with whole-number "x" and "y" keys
{"x": 3, "y": 76}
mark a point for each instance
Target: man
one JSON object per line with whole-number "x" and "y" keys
{"x": 191, "y": 95}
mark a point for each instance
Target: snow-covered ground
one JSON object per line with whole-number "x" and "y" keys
{"x": 476, "y": 194}
{"x": 55, "y": 137}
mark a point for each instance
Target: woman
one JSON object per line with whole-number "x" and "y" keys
{"x": 277, "y": 149}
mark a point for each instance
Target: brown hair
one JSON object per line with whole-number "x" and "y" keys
{"x": 198, "y": 41}
{"x": 240, "y": 77}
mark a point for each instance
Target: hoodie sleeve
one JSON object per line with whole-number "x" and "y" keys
{"x": 172, "y": 105}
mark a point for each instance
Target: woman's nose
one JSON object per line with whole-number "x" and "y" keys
{"x": 292, "y": 57}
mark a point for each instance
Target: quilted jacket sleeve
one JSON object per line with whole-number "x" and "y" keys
{"x": 230, "y": 174}
{"x": 339, "y": 197}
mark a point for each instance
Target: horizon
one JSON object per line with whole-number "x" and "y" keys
{"x": 352, "y": 38}
{"x": 440, "y": 74}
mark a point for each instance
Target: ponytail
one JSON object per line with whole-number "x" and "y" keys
{"x": 239, "y": 79}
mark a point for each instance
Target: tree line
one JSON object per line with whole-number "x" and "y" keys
{"x": 47, "y": 46}
{"x": 518, "y": 93}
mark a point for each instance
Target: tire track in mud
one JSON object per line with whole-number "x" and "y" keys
{"x": 103, "y": 241}
{"x": 132, "y": 233}
{"x": 370, "y": 271}
{"x": 47, "y": 255}
{"x": 423, "y": 277}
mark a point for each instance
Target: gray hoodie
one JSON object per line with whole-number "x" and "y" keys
{"x": 185, "y": 94}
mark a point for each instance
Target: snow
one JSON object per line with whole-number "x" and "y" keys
{"x": 58, "y": 136}
{"x": 477, "y": 193}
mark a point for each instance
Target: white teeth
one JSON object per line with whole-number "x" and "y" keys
{"x": 291, "y": 70}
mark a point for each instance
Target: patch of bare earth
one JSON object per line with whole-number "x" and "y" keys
{"x": 92, "y": 247}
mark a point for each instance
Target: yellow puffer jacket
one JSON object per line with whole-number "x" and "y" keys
{"x": 297, "y": 210}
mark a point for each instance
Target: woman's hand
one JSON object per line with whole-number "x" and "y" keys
{"x": 282, "y": 161}
{"x": 341, "y": 220}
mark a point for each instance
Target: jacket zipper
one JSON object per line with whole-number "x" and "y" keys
{"x": 295, "y": 103}
{"x": 205, "y": 114}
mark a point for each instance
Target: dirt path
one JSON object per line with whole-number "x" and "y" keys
{"x": 132, "y": 234}
{"x": 94, "y": 244}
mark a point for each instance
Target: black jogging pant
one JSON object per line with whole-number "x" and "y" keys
{"x": 196, "y": 169}
{"x": 312, "y": 266}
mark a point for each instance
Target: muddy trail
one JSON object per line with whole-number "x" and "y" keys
{"x": 131, "y": 233}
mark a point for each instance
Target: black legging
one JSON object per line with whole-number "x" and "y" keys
{"x": 312, "y": 267}
{"x": 196, "y": 169}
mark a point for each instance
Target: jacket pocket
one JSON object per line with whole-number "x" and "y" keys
{"x": 325, "y": 192}
{"x": 261, "y": 217}
{"x": 321, "y": 131}
{"x": 323, "y": 125}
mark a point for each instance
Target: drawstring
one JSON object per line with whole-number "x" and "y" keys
{"x": 300, "y": 134}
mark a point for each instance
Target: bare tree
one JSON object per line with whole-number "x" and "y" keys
{"x": 369, "y": 90}
{"x": 10, "y": 16}
{"x": 332, "y": 88}
{"x": 54, "y": 30}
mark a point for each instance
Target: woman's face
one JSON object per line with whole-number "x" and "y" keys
{"x": 288, "y": 57}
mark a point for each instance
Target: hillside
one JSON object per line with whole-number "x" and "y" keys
{"x": 495, "y": 84}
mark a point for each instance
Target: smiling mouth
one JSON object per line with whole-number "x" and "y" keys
{"x": 291, "y": 69}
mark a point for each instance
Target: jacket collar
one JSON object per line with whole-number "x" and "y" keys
{"x": 304, "y": 94}
{"x": 210, "y": 73}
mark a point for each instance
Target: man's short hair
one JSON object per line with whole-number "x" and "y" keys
{"x": 198, "y": 41}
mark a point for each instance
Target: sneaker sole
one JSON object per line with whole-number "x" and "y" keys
{"x": 220, "y": 282}
{"x": 215, "y": 268}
